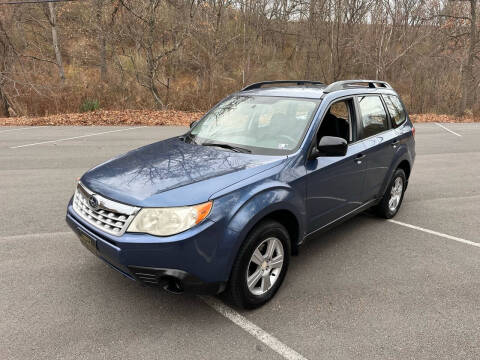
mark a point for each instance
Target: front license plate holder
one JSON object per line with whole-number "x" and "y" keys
{"x": 88, "y": 242}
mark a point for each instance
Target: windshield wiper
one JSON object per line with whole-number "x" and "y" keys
{"x": 227, "y": 146}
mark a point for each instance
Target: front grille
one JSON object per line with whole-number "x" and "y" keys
{"x": 108, "y": 216}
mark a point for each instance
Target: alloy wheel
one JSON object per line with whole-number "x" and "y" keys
{"x": 395, "y": 194}
{"x": 265, "y": 266}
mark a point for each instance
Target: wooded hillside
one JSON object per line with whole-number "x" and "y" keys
{"x": 187, "y": 54}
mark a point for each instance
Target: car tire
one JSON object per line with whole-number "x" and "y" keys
{"x": 393, "y": 197}
{"x": 256, "y": 275}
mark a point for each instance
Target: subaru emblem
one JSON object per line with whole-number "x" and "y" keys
{"x": 93, "y": 202}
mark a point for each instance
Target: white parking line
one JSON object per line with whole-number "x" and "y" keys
{"x": 446, "y": 236}
{"x": 35, "y": 235}
{"x": 254, "y": 330}
{"x": 75, "y": 137}
{"x": 450, "y": 131}
{"x": 25, "y": 128}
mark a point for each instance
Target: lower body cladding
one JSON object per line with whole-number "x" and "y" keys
{"x": 193, "y": 261}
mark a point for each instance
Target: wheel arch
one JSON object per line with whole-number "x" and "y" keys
{"x": 401, "y": 162}
{"x": 284, "y": 216}
{"x": 280, "y": 204}
{"x": 283, "y": 212}
{"x": 405, "y": 166}
{"x": 290, "y": 221}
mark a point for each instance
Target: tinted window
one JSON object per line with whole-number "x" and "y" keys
{"x": 373, "y": 116}
{"x": 396, "y": 110}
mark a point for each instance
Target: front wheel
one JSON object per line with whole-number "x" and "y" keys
{"x": 261, "y": 265}
{"x": 392, "y": 199}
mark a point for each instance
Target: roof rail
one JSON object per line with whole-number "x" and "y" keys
{"x": 258, "y": 85}
{"x": 345, "y": 84}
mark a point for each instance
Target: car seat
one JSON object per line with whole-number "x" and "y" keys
{"x": 334, "y": 126}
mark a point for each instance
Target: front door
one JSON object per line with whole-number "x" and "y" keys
{"x": 335, "y": 184}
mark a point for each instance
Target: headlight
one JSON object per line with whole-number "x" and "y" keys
{"x": 169, "y": 221}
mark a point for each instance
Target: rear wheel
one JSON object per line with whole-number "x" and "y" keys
{"x": 261, "y": 265}
{"x": 392, "y": 199}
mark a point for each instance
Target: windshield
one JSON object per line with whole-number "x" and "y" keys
{"x": 257, "y": 124}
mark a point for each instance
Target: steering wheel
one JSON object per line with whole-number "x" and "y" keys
{"x": 289, "y": 138}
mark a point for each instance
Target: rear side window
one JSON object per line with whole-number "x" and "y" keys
{"x": 373, "y": 118}
{"x": 395, "y": 109}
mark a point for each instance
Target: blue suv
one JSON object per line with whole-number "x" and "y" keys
{"x": 224, "y": 206}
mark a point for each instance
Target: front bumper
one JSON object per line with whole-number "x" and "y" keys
{"x": 192, "y": 261}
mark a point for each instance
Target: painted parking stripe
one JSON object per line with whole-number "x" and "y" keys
{"x": 35, "y": 236}
{"x": 447, "y": 129}
{"x": 428, "y": 231}
{"x": 75, "y": 137}
{"x": 17, "y": 129}
{"x": 254, "y": 330}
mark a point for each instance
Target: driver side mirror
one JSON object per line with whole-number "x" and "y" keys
{"x": 193, "y": 123}
{"x": 330, "y": 146}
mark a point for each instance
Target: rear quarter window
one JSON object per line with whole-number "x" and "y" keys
{"x": 395, "y": 109}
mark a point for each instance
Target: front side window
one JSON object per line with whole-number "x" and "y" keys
{"x": 373, "y": 117}
{"x": 260, "y": 124}
{"x": 337, "y": 121}
{"x": 395, "y": 109}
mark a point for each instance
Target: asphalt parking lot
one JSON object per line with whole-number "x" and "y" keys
{"x": 369, "y": 289}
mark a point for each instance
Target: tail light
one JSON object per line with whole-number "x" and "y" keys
{"x": 413, "y": 131}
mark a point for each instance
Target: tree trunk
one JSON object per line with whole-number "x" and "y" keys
{"x": 4, "y": 104}
{"x": 56, "y": 47}
{"x": 311, "y": 39}
{"x": 468, "y": 79}
{"x": 103, "y": 57}
{"x": 156, "y": 96}
{"x": 102, "y": 41}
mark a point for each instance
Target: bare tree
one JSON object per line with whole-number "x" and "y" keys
{"x": 469, "y": 83}
{"x": 157, "y": 33}
{"x": 102, "y": 37}
{"x": 4, "y": 103}
{"x": 7, "y": 57}
{"x": 459, "y": 23}
{"x": 52, "y": 19}
{"x": 188, "y": 54}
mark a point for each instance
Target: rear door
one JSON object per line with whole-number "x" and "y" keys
{"x": 379, "y": 139}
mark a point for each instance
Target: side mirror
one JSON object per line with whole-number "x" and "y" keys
{"x": 330, "y": 146}
{"x": 192, "y": 124}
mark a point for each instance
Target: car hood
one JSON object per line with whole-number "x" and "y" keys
{"x": 173, "y": 173}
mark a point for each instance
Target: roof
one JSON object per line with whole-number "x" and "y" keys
{"x": 318, "y": 90}
{"x": 287, "y": 91}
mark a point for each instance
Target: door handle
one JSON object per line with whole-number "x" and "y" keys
{"x": 395, "y": 143}
{"x": 359, "y": 158}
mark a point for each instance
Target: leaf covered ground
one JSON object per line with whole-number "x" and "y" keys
{"x": 423, "y": 118}
{"x": 107, "y": 118}
{"x": 164, "y": 117}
